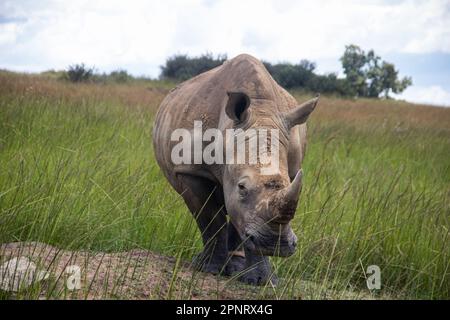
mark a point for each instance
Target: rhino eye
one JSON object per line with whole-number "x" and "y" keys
{"x": 242, "y": 190}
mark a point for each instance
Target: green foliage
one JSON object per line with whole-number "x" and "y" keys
{"x": 182, "y": 67}
{"x": 368, "y": 76}
{"x": 353, "y": 62}
{"x": 390, "y": 80}
{"x": 328, "y": 83}
{"x": 120, "y": 76}
{"x": 79, "y": 73}
{"x": 292, "y": 75}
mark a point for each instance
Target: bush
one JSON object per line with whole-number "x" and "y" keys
{"x": 328, "y": 83}
{"x": 182, "y": 67}
{"x": 292, "y": 75}
{"x": 79, "y": 73}
{"x": 120, "y": 76}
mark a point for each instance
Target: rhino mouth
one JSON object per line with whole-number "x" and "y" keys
{"x": 271, "y": 244}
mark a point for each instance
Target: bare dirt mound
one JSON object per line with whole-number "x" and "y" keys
{"x": 135, "y": 274}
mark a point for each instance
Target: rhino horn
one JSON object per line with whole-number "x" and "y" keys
{"x": 300, "y": 114}
{"x": 294, "y": 189}
{"x": 287, "y": 199}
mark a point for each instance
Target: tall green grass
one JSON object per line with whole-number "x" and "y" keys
{"x": 79, "y": 173}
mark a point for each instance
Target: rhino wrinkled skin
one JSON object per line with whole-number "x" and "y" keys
{"x": 243, "y": 216}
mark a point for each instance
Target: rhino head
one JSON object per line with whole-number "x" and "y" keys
{"x": 261, "y": 206}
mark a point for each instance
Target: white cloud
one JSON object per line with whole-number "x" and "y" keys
{"x": 139, "y": 35}
{"x": 144, "y": 33}
{"x": 434, "y": 95}
{"x": 8, "y": 33}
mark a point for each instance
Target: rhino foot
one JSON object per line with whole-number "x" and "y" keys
{"x": 206, "y": 263}
{"x": 235, "y": 265}
{"x": 258, "y": 277}
{"x": 258, "y": 270}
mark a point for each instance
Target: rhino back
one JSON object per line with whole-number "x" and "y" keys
{"x": 204, "y": 98}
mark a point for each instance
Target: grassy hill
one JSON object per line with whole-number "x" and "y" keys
{"x": 77, "y": 171}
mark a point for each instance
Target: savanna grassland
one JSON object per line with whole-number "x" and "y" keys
{"x": 77, "y": 172}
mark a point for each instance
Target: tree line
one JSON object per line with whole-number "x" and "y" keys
{"x": 366, "y": 75}
{"x": 83, "y": 73}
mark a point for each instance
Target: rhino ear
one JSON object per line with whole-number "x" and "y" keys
{"x": 300, "y": 114}
{"x": 237, "y": 105}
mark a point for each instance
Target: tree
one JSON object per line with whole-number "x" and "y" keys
{"x": 390, "y": 80}
{"x": 353, "y": 62}
{"x": 374, "y": 75}
{"x": 368, "y": 76}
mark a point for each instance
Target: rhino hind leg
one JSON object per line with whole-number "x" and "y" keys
{"x": 200, "y": 196}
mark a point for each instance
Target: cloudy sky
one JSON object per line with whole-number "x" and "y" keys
{"x": 139, "y": 35}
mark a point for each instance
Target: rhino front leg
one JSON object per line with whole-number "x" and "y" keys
{"x": 236, "y": 258}
{"x": 258, "y": 270}
{"x": 200, "y": 196}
